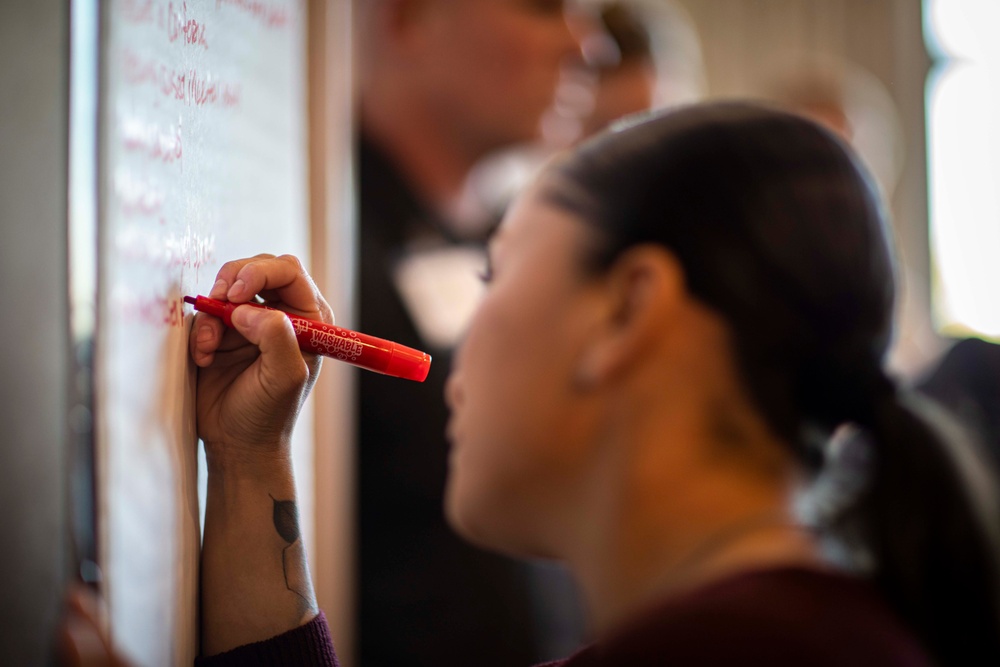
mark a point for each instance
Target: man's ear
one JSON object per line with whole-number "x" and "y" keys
{"x": 645, "y": 289}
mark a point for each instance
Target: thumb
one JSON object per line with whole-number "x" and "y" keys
{"x": 282, "y": 365}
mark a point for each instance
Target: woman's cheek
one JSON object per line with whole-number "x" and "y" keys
{"x": 478, "y": 490}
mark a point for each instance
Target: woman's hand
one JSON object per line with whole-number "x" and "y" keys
{"x": 252, "y": 379}
{"x": 83, "y": 637}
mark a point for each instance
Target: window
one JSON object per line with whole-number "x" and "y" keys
{"x": 963, "y": 113}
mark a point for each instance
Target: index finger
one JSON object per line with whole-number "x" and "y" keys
{"x": 283, "y": 276}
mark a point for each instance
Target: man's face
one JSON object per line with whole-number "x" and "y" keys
{"x": 491, "y": 67}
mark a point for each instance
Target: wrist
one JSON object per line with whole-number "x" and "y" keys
{"x": 241, "y": 461}
{"x": 243, "y": 484}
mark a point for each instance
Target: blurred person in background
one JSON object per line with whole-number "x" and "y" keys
{"x": 442, "y": 83}
{"x": 966, "y": 380}
{"x": 639, "y": 55}
{"x": 647, "y": 57}
{"x": 623, "y": 69}
{"x": 849, "y": 100}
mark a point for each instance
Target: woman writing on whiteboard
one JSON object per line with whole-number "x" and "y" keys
{"x": 679, "y": 316}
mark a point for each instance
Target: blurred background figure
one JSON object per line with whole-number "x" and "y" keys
{"x": 967, "y": 381}
{"x": 622, "y": 72}
{"x": 849, "y": 100}
{"x": 638, "y": 55}
{"x": 647, "y": 56}
{"x": 442, "y": 84}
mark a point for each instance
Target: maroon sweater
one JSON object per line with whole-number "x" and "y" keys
{"x": 309, "y": 645}
{"x": 772, "y": 618}
{"x": 769, "y": 618}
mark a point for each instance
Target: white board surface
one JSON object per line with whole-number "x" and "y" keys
{"x": 202, "y": 159}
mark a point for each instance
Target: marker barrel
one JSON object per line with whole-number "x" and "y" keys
{"x": 352, "y": 347}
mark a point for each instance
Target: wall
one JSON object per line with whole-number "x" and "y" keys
{"x": 34, "y": 334}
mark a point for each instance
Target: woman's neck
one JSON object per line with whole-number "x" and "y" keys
{"x": 690, "y": 484}
{"x": 678, "y": 512}
{"x": 756, "y": 541}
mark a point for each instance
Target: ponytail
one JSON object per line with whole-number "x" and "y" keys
{"x": 930, "y": 519}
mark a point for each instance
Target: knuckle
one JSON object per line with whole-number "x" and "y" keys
{"x": 294, "y": 261}
{"x": 299, "y": 372}
{"x": 232, "y": 266}
{"x": 326, "y": 313}
{"x": 278, "y": 323}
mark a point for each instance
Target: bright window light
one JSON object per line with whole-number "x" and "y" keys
{"x": 963, "y": 113}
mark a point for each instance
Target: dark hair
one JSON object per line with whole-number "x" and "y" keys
{"x": 781, "y": 232}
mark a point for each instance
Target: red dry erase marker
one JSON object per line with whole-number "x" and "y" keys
{"x": 361, "y": 350}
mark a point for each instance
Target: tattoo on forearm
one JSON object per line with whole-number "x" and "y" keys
{"x": 286, "y": 522}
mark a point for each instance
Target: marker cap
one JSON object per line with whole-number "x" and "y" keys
{"x": 408, "y": 363}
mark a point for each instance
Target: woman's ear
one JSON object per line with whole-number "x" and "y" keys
{"x": 645, "y": 290}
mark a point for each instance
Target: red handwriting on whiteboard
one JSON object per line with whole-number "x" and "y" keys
{"x": 155, "y": 311}
{"x": 180, "y": 26}
{"x": 189, "y": 250}
{"x": 173, "y": 314}
{"x": 190, "y": 86}
{"x": 139, "y": 244}
{"x": 171, "y": 18}
{"x": 135, "y": 195}
{"x": 152, "y": 140}
{"x": 272, "y": 16}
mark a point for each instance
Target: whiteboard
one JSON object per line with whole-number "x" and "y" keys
{"x": 202, "y": 159}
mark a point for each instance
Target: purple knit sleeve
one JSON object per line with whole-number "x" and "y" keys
{"x": 308, "y": 645}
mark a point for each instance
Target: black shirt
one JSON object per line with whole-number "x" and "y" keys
{"x": 425, "y": 596}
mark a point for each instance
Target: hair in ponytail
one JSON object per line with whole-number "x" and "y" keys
{"x": 929, "y": 516}
{"x": 781, "y": 232}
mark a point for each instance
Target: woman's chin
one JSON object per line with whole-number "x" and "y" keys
{"x": 469, "y": 524}
{"x": 479, "y": 530}
{"x": 462, "y": 520}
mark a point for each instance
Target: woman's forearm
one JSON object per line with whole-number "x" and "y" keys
{"x": 255, "y": 579}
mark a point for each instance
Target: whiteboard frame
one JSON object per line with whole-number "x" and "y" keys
{"x": 83, "y": 216}
{"x": 332, "y": 264}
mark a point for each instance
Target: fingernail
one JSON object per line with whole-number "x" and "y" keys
{"x": 205, "y": 334}
{"x": 219, "y": 289}
{"x": 236, "y": 289}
